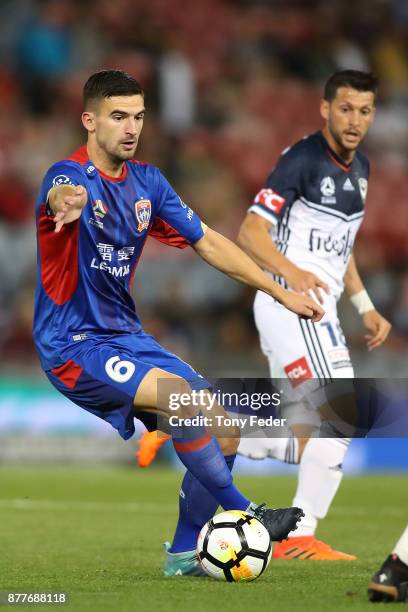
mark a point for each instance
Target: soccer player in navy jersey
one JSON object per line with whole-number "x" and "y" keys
{"x": 301, "y": 229}
{"x": 94, "y": 212}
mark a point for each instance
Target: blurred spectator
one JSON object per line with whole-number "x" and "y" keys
{"x": 177, "y": 93}
{"x": 44, "y": 53}
{"x": 17, "y": 244}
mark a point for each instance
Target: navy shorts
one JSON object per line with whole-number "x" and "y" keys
{"x": 102, "y": 374}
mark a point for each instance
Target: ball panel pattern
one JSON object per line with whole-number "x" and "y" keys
{"x": 234, "y": 546}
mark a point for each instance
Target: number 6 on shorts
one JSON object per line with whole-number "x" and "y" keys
{"x": 119, "y": 371}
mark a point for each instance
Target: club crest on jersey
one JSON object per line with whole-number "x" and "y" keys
{"x": 363, "y": 184}
{"x": 143, "y": 210}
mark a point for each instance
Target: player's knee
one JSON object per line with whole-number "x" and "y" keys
{"x": 303, "y": 433}
{"x": 177, "y": 399}
{"x": 302, "y": 445}
{"x": 229, "y": 446}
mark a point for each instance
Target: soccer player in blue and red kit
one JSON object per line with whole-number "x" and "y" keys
{"x": 94, "y": 212}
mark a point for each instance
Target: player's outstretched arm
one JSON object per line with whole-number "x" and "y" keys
{"x": 67, "y": 203}
{"x": 376, "y": 325}
{"x": 255, "y": 239}
{"x": 227, "y": 257}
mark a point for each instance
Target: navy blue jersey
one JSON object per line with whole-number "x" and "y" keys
{"x": 315, "y": 202}
{"x": 85, "y": 271}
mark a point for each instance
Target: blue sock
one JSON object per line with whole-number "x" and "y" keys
{"x": 202, "y": 456}
{"x": 196, "y": 507}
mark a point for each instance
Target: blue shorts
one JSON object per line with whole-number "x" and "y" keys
{"x": 103, "y": 373}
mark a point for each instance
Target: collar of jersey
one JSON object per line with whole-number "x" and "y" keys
{"x": 115, "y": 179}
{"x": 81, "y": 156}
{"x": 333, "y": 155}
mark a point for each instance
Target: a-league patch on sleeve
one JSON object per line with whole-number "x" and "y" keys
{"x": 62, "y": 179}
{"x": 60, "y": 174}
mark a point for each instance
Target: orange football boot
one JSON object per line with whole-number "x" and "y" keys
{"x": 149, "y": 444}
{"x": 308, "y": 547}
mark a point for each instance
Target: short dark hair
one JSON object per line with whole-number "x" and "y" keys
{"x": 361, "y": 81}
{"x": 108, "y": 83}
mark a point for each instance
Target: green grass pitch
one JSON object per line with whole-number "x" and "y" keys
{"x": 97, "y": 534}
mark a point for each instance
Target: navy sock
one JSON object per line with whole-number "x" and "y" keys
{"x": 196, "y": 507}
{"x": 202, "y": 456}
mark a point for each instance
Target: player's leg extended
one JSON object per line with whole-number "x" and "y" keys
{"x": 303, "y": 352}
{"x": 201, "y": 453}
{"x": 196, "y": 507}
{"x": 321, "y": 463}
{"x": 196, "y": 448}
{"x": 282, "y": 343}
{"x": 105, "y": 378}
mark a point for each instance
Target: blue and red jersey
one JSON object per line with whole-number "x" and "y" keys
{"x": 85, "y": 271}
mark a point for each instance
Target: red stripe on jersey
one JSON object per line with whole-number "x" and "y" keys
{"x": 336, "y": 161}
{"x": 163, "y": 232}
{"x": 80, "y": 155}
{"x": 68, "y": 373}
{"x": 58, "y": 258}
{"x": 132, "y": 274}
{"x": 192, "y": 445}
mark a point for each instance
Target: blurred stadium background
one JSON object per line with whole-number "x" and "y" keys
{"x": 229, "y": 85}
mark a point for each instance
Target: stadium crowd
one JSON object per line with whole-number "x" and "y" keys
{"x": 229, "y": 84}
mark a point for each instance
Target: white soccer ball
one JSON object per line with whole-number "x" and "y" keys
{"x": 234, "y": 546}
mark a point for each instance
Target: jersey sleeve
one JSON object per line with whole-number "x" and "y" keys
{"x": 174, "y": 218}
{"x": 61, "y": 173}
{"x": 163, "y": 232}
{"x": 282, "y": 187}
